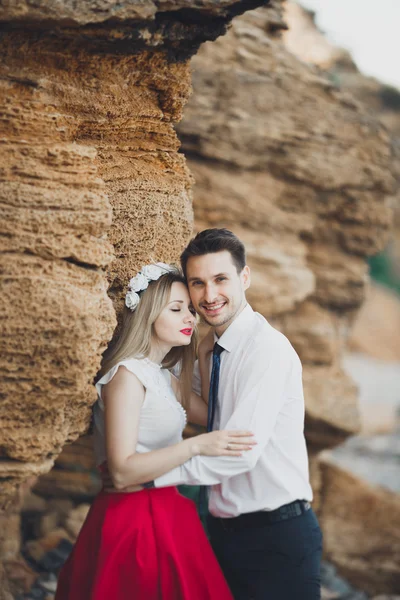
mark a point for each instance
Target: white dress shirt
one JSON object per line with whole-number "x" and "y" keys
{"x": 260, "y": 390}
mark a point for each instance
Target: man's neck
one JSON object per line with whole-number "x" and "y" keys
{"x": 220, "y": 330}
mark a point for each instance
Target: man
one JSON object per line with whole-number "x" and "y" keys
{"x": 263, "y": 531}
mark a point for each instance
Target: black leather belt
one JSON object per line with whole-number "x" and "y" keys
{"x": 263, "y": 517}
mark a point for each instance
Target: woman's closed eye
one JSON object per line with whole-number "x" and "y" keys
{"x": 191, "y": 310}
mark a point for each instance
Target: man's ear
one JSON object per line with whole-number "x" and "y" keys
{"x": 246, "y": 277}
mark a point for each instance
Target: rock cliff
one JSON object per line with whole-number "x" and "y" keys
{"x": 304, "y": 175}
{"x": 92, "y": 186}
{"x": 360, "y": 480}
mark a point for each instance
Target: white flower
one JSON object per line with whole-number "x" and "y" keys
{"x": 154, "y": 272}
{"x": 138, "y": 283}
{"x": 132, "y": 300}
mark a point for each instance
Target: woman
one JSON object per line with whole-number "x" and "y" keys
{"x": 148, "y": 543}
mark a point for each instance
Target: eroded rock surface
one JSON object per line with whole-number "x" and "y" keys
{"x": 100, "y": 11}
{"x": 360, "y": 525}
{"x": 382, "y": 101}
{"x": 91, "y": 186}
{"x": 304, "y": 176}
{"x": 361, "y": 469}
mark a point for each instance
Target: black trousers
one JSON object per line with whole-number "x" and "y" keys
{"x": 277, "y": 561}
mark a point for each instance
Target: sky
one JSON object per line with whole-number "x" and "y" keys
{"x": 369, "y": 29}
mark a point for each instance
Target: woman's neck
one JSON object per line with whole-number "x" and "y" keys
{"x": 158, "y": 352}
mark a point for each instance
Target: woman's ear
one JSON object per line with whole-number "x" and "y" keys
{"x": 246, "y": 277}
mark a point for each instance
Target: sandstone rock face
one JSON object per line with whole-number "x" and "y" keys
{"x": 357, "y": 515}
{"x": 383, "y": 101}
{"x": 307, "y": 42}
{"x": 376, "y": 329}
{"x": 332, "y": 410}
{"x": 304, "y": 176}
{"x": 360, "y": 526}
{"x": 92, "y": 186}
{"x": 99, "y": 11}
{"x": 373, "y": 360}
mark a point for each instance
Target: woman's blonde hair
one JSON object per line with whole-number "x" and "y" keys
{"x": 134, "y": 338}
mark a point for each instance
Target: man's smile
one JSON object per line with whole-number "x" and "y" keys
{"x": 213, "y": 309}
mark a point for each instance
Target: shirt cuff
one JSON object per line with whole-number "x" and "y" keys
{"x": 174, "y": 477}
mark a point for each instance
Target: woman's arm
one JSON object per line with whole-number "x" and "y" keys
{"x": 123, "y": 398}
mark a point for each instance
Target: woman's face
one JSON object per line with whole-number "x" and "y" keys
{"x": 175, "y": 325}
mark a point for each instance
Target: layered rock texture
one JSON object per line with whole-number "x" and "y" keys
{"x": 91, "y": 179}
{"x": 360, "y": 481}
{"x": 360, "y": 515}
{"x": 92, "y": 186}
{"x": 304, "y": 176}
{"x": 383, "y": 101}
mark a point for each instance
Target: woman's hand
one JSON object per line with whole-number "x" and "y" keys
{"x": 222, "y": 443}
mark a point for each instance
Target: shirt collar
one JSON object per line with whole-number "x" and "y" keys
{"x": 230, "y": 338}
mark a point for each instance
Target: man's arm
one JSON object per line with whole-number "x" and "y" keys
{"x": 260, "y": 397}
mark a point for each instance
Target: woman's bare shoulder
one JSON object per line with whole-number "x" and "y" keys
{"x": 124, "y": 379}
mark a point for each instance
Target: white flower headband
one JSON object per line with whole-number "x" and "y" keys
{"x": 141, "y": 281}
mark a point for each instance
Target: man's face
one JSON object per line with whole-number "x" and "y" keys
{"x": 216, "y": 289}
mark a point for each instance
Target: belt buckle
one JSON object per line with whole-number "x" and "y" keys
{"x": 288, "y": 511}
{"x": 294, "y": 509}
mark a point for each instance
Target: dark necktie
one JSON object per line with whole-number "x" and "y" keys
{"x": 212, "y": 403}
{"x": 214, "y": 384}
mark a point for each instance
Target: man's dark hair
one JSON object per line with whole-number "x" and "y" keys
{"x": 210, "y": 241}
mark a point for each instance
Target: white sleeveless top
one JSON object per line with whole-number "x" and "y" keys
{"x": 162, "y": 417}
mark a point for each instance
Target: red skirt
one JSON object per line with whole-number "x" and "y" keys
{"x": 147, "y": 545}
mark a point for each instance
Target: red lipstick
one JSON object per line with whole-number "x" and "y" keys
{"x": 187, "y": 331}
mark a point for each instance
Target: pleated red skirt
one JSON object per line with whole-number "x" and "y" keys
{"x": 147, "y": 545}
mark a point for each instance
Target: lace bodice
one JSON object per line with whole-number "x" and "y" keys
{"x": 162, "y": 417}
